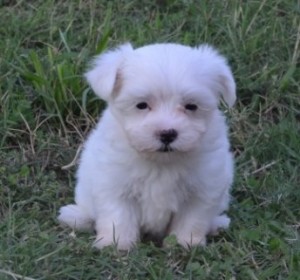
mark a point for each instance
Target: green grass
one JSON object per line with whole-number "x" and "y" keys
{"x": 46, "y": 110}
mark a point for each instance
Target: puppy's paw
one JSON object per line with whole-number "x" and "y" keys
{"x": 121, "y": 244}
{"x": 191, "y": 240}
{"x": 219, "y": 223}
{"x": 76, "y": 217}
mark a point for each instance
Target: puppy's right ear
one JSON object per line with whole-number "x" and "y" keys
{"x": 103, "y": 74}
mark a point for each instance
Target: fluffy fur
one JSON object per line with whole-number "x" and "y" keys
{"x": 158, "y": 161}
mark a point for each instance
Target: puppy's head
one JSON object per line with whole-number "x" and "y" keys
{"x": 163, "y": 95}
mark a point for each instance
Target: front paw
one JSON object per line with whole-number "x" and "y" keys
{"x": 219, "y": 223}
{"x": 122, "y": 244}
{"x": 191, "y": 239}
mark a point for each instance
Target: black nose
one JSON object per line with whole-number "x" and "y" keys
{"x": 168, "y": 136}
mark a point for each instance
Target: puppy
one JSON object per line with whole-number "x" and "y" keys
{"x": 158, "y": 161}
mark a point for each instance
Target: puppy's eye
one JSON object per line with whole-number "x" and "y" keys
{"x": 142, "y": 106}
{"x": 191, "y": 107}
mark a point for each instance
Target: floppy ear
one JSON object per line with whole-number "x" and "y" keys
{"x": 103, "y": 75}
{"x": 227, "y": 85}
{"x": 216, "y": 66}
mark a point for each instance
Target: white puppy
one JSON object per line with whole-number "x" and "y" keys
{"x": 158, "y": 161}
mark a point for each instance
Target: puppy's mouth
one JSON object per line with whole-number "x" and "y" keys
{"x": 165, "y": 149}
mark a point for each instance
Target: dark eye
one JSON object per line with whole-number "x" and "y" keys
{"x": 191, "y": 107}
{"x": 142, "y": 106}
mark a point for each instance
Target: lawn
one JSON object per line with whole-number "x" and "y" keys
{"x": 47, "y": 109}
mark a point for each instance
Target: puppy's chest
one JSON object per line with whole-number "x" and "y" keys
{"x": 158, "y": 194}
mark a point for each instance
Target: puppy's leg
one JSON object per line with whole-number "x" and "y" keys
{"x": 222, "y": 221}
{"x": 218, "y": 223}
{"x": 75, "y": 217}
{"x": 117, "y": 223}
{"x": 78, "y": 215}
{"x": 192, "y": 222}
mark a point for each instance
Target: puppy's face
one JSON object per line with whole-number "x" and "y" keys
{"x": 163, "y": 95}
{"x": 162, "y": 111}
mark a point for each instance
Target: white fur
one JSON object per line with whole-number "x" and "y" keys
{"x": 125, "y": 184}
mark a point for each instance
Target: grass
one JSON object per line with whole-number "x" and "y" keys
{"x": 46, "y": 110}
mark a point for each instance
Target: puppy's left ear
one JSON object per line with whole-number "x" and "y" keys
{"x": 226, "y": 86}
{"x": 221, "y": 78}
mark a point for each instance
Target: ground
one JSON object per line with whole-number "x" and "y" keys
{"x": 46, "y": 110}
